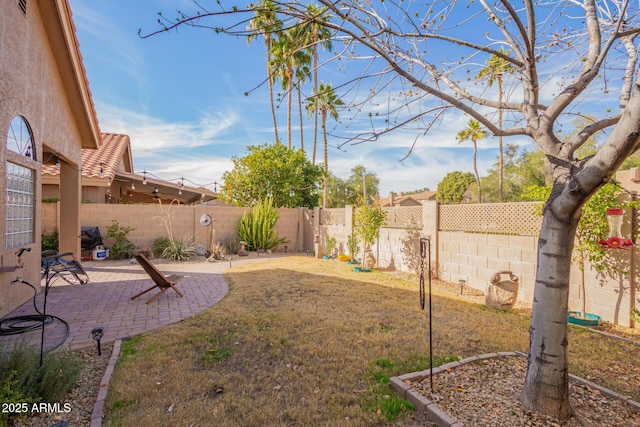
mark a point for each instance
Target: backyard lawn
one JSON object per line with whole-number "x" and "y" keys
{"x": 301, "y": 341}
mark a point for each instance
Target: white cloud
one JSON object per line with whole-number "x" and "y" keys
{"x": 150, "y": 134}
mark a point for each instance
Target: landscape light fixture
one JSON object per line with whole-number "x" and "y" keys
{"x": 97, "y": 334}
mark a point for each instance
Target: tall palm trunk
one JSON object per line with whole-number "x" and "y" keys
{"x": 325, "y": 195}
{"x": 475, "y": 169}
{"x": 270, "y": 83}
{"x": 300, "y": 115}
{"x": 315, "y": 93}
{"x": 289, "y": 105}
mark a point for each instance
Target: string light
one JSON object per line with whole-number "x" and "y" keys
{"x": 101, "y": 171}
{"x": 182, "y": 181}
{"x": 58, "y": 161}
{"x": 133, "y": 185}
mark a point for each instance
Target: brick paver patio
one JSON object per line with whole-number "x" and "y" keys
{"x": 106, "y": 300}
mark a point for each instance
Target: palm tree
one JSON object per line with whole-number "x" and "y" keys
{"x": 326, "y": 102}
{"x": 496, "y": 67}
{"x": 302, "y": 61}
{"x": 317, "y": 35}
{"x": 474, "y": 132}
{"x": 288, "y": 61}
{"x": 266, "y": 22}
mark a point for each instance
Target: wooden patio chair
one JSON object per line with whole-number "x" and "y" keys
{"x": 161, "y": 281}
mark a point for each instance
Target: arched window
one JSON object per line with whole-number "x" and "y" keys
{"x": 20, "y": 138}
{"x": 20, "y": 208}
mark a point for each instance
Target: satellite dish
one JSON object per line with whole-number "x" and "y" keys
{"x": 205, "y": 220}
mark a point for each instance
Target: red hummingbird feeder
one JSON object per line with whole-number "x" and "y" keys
{"x": 615, "y": 239}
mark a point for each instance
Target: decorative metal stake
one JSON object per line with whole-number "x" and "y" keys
{"x": 425, "y": 253}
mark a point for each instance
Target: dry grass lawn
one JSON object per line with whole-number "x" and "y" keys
{"x": 306, "y": 342}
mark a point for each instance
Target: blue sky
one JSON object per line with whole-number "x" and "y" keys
{"x": 181, "y": 98}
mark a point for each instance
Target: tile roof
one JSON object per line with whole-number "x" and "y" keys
{"x": 408, "y": 199}
{"x": 108, "y": 156}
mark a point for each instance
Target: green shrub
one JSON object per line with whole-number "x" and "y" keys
{"x": 50, "y": 241}
{"x": 256, "y": 228}
{"x": 9, "y": 395}
{"x": 22, "y": 376}
{"x": 122, "y": 247}
{"x": 160, "y": 244}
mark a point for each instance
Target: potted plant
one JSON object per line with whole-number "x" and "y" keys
{"x": 331, "y": 245}
{"x": 368, "y": 219}
{"x": 352, "y": 247}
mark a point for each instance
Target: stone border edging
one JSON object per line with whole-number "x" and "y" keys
{"x": 442, "y": 419}
{"x": 98, "y": 407}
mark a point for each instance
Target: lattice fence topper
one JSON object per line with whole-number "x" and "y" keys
{"x": 332, "y": 216}
{"x": 516, "y": 218}
{"x": 406, "y": 217}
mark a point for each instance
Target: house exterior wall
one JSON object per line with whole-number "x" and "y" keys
{"x": 32, "y": 85}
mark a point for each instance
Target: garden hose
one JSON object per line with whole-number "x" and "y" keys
{"x": 30, "y": 322}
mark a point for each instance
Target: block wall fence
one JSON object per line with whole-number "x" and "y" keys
{"x": 468, "y": 242}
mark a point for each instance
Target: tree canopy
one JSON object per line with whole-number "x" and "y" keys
{"x": 286, "y": 176}
{"x": 454, "y": 186}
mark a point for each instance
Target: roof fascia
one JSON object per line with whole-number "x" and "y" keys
{"x": 62, "y": 36}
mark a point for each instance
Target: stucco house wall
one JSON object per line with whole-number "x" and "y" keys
{"x": 42, "y": 80}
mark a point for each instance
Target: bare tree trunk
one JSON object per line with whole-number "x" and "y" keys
{"x": 546, "y": 387}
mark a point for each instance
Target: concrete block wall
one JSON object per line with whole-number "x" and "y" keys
{"x": 183, "y": 222}
{"x": 398, "y": 249}
{"x": 340, "y": 232}
{"x": 476, "y": 257}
